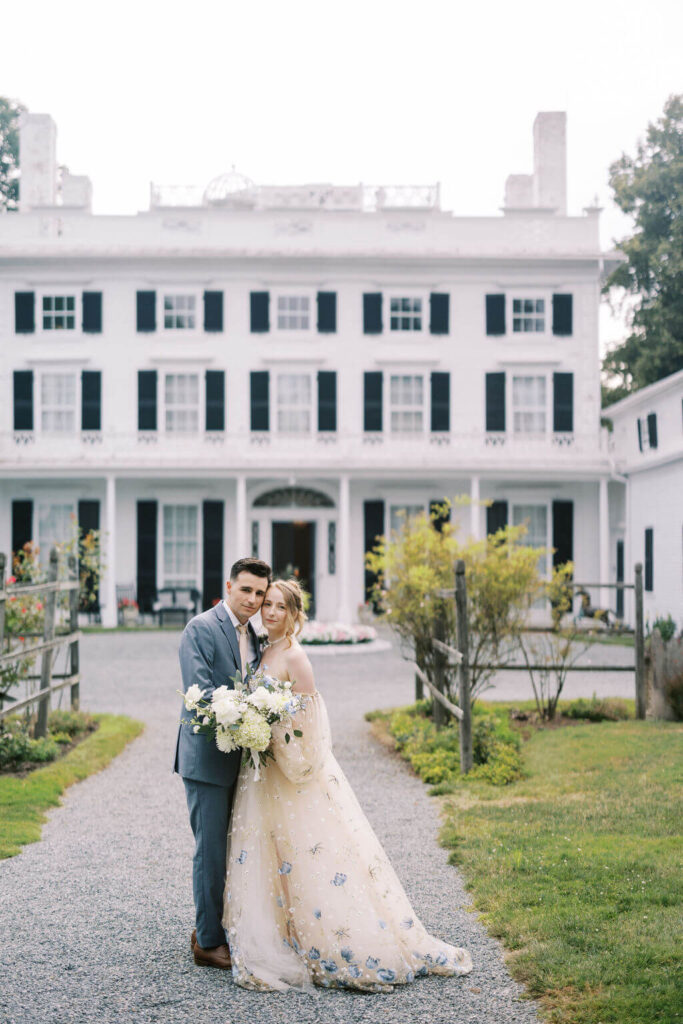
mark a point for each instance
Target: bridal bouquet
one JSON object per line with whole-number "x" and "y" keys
{"x": 243, "y": 717}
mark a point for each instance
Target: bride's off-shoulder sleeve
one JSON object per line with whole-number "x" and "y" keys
{"x": 302, "y": 757}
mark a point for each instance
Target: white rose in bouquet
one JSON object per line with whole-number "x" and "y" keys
{"x": 259, "y": 698}
{"x": 193, "y": 696}
{"x": 227, "y": 711}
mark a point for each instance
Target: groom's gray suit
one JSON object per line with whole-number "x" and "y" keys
{"x": 209, "y": 656}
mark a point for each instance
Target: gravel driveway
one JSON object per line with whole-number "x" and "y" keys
{"x": 96, "y": 917}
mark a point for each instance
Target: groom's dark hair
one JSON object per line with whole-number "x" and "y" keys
{"x": 253, "y": 565}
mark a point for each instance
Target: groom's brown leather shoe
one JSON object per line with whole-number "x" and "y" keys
{"x": 219, "y": 956}
{"x": 193, "y": 939}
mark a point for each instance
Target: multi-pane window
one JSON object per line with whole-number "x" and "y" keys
{"x": 181, "y": 402}
{"x": 293, "y": 313}
{"x": 406, "y": 396}
{"x": 180, "y": 312}
{"x": 529, "y": 405}
{"x": 59, "y": 312}
{"x": 535, "y": 518}
{"x": 294, "y": 403}
{"x": 405, "y": 314}
{"x": 400, "y": 514}
{"x": 56, "y": 526}
{"x": 58, "y": 403}
{"x": 180, "y": 545}
{"x": 528, "y": 316}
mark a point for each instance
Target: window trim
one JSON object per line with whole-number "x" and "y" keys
{"x": 547, "y": 333}
{"x": 58, "y": 291}
{"x": 179, "y": 332}
{"x": 406, "y": 293}
{"x": 313, "y": 408}
{"x": 294, "y": 292}
{"x": 161, "y": 402}
{"x": 426, "y": 403}
{"x": 38, "y": 401}
{"x": 548, "y": 411}
{"x": 161, "y": 568}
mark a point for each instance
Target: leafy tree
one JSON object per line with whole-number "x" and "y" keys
{"x": 418, "y": 561}
{"x": 649, "y": 187}
{"x": 10, "y": 111}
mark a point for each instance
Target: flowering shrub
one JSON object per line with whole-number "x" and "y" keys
{"x": 128, "y": 602}
{"x": 335, "y": 633}
{"x": 24, "y": 616}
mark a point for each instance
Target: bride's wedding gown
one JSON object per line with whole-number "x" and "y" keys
{"x": 310, "y": 895}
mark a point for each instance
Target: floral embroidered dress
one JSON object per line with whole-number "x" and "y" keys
{"x": 310, "y": 895}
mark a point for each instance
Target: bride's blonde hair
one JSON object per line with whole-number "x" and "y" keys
{"x": 295, "y": 616}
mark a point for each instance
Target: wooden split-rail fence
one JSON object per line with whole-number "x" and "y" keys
{"x": 447, "y": 657}
{"x": 47, "y": 646}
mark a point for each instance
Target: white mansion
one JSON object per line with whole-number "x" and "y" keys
{"x": 280, "y": 370}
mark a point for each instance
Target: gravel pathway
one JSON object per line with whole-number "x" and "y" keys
{"x": 95, "y": 919}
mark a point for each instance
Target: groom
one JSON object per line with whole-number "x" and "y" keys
{"x": 215, "y": 646}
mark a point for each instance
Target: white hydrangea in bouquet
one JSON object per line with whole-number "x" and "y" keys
{"x": 243, "y": 717}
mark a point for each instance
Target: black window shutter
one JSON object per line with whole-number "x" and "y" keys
{"x": 649, "y": 556}
{"x": 439, "y": 309}
{"x": 260, "y": 404}
{"x": 640, "y": 434}
{"x": 22, "y": 525}
{"x": 23, "y": 399}
{"x": 563, "y": 314}
{"x": 89, "y": 520}
{"x": 372, "y": 313}
{"x": 327, "y": 400}
{"x": 24, "y": 312}
{"x": 373, "y": 513}
{"x": 215, "y": 400}
{"x": 441, "y": 401}
{"x": 495, "y": 401}
{"x": 327, "y": 312}
{"x": 496, "y": 516}
{"x": 147, "y": 554}
{"x": 563, "y": 401}
{"x": 620, "y": 578}
{"x": 372, "y": 402}
{"x": 213, "y": 311}
{"x": 652, "y": 429}
{"x": 92, "y": 312}
{"x": 147, "y": 399}
{"x": 495, "y": 314}
{"x": 563, "y": 532}
{"x": 147, "y": 311}
{"x": 212, "y": 559}
{"x": 91, "y": 400}
{"x": 260, "y": 312}
{"x": 436, "y": 514}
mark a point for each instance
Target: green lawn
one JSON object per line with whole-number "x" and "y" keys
{"x": 23, "y": 801}
{"x": 577, "y": 868}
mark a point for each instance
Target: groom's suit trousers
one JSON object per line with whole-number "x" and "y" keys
{"x": 209, "y": 808}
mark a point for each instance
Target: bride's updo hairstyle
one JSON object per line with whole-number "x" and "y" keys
{"x": 295, "y": 616}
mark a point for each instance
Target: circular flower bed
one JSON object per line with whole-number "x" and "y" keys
{"x": 335, "y": 633}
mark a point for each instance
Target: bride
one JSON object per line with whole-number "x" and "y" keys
{"x": 310, "y": 895}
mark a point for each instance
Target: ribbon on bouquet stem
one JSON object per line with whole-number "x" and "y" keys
{"x": 256, "y": 761}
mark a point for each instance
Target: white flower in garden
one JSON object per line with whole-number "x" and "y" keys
{"x": 194, "y": 694}
{"x": 225, "y": 741}
{"x": 253, "y": 732}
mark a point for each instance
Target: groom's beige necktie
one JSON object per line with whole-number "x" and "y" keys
{"x": 244, "y": 648}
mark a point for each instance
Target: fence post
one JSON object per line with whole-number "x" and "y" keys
{"x": 641, "y": 682}
{"x": 48, "y": 634}
{"x": 2, "y": 608}
{"x": 74, "y": 664}
{"x": 464, "y": 668}
{"x": 439, "y": 672}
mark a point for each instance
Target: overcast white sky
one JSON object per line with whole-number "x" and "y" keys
{"x": 342, "y": 91}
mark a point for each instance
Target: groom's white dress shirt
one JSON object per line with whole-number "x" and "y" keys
{"x": 251, "y": 646}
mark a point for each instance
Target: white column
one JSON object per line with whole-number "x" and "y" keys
{"x": 109, "y": 609}
{"x": 603, "y": 520}
{"x": 475, "y": 509}
{"x": 344, "y": 613}
{"x": 242, "y": 549}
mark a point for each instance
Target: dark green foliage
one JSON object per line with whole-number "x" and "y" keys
{"x": 73, "y": 723}
{"x": 9, "y": 153}
{"x": 18, "y": 749}
{"x": 666, "y": 627}
{"x": 604, "y": 709}
{"x": 650, "y": 188}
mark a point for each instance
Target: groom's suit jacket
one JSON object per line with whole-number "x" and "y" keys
{"x": 209, "y": 656}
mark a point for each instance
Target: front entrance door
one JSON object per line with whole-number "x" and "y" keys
{"x": 294, "y": 554}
